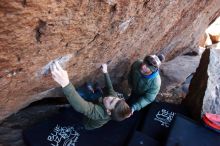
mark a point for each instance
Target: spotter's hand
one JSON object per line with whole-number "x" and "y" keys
{"x": 59, "y": 75}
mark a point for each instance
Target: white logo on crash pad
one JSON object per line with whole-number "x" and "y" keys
{"x": 164, "y": 117}
{"x": 63, "y": 136}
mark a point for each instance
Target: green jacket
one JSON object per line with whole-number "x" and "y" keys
{"x": 144, "y": 89}
{"x": 95, "y": 114}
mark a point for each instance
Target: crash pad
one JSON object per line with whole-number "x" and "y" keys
{"x": 65, "y": 129}
{"x": 158, "y": 119}
{"x": 141, "y": 139}
{"x": 186, "y": 132}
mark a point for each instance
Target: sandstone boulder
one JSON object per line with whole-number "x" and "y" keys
{"x": 214, "y": 31}
{"x": 204, "y": 90}
{"x": 175, "y": 72}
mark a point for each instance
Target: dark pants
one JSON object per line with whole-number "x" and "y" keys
{"x": 88, "y": 95}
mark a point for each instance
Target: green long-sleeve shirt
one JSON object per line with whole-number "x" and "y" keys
{"x": 144, "y": 89}
{"x": 95, "y": 114}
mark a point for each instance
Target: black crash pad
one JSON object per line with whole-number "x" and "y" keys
{"x": 66, "y": 129}
{"x": 158, "y": 119}
{"x": 185, "y": 132}
{"x": 141, "y": 139}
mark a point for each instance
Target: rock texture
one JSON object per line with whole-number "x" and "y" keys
{"x": 175, "y": 72}
{"x": 81, "y": 34}
{"x": 204, "y": 90}
{"x": 211, "y": 101}
{"x": 175, "y": 94}
{"x": 175, "y": 75}
{"x": 214, "y": 31}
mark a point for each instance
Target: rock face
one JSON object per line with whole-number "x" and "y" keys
{"x": 214, "y": 31}
{"x": 211, "y": 101}
{"x": 81, "y": 34}
{"x": 175, "y": 72}
{"x": 204, "y": 90}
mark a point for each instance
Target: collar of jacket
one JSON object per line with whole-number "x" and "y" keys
{"x": 152, "y": 76}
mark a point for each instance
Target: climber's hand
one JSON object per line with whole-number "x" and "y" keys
{"x": 59, "y": 75}
{"x": 104, "y": 68}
